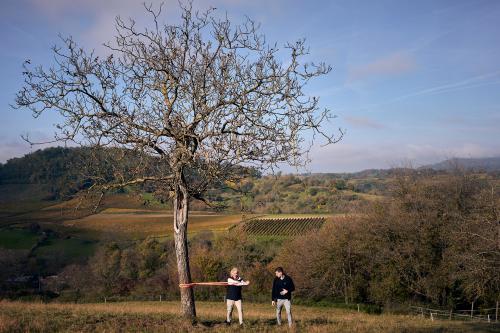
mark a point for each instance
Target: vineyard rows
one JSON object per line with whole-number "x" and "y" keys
{"x": 283, "y": 226}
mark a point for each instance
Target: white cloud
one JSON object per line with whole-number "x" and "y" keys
{"x": 92, "y": 22}
{"x": 364, "y": 122}
{"x": 345, "y": 157}
{"x": 392, "y": 64}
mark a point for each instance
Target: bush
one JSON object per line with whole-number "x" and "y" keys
{"x": 435, "y": 240}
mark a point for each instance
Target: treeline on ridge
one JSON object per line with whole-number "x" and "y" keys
{"x": 66, "y": 171}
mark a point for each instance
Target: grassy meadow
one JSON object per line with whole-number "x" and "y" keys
{"x": 164, "y": 317}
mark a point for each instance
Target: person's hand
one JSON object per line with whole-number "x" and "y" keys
{"x": 273, "y": 303}
{"x": 247, "y": 282}
{"x": 283, "y": 292}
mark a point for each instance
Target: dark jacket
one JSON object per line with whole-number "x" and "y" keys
{"x": 279, "y": 285}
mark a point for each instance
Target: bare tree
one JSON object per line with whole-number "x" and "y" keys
{"x": 189, "y": 102}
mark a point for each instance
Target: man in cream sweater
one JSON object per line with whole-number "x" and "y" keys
{"x": 233, "y": 295}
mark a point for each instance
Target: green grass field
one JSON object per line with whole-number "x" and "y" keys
{"x": 17, "y": 239}
{"x": 69, "y": 247}
{"x": 164, "y": 317}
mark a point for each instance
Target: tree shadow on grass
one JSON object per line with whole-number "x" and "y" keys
{"x": 249, "y": 323}
{"x": 304, "y": 325}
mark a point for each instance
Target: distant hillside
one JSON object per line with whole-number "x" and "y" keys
{"x": 59, "y": 173}
{"x": 55, "y": 174}
{"x": 479, "y": 164}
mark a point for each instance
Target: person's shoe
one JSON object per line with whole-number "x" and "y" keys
{"x": 227, "y": 323}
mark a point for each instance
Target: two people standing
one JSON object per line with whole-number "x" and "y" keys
{"x": 281, "y": 295}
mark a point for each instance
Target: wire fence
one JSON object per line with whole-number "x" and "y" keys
{"x": 484, "y": 315}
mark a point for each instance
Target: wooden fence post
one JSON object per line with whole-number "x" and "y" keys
{"x": 496, "y": 313}
{"x": 451, "y": 313}
{"x": 358, "y": 307}
{"x": 472, "y": 310}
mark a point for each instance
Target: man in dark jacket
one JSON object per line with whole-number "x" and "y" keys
{"x": 282, "y": 294}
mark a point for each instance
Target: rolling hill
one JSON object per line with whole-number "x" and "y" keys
{"x": 478, "y": 164}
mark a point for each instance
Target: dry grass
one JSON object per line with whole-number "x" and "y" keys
{"x": 54, "y": 213}
{"x": 137, "y": 224}
{"x": 164, "y": 317}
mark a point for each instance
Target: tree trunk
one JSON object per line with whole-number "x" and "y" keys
{"x": 181, "y": 206}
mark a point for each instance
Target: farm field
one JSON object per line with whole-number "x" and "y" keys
{"x": 164, "y": 317}
{"x": 25, "y": 203}
{"x": 120, "y": 219}
{"x": 132, "y": 223}
{"x": 286, "y": 226}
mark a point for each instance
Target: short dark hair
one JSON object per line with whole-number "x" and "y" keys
{"x": 279, "y": 269}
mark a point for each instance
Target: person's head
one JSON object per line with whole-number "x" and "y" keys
{"x": 279, "y": 272}
{"x": 234, "y": 272}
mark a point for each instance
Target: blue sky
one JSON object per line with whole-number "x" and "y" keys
{"x": 412, "y": 81}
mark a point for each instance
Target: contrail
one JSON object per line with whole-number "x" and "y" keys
{"x": 468, "y": 83}
{"x": 464, "y": 84}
